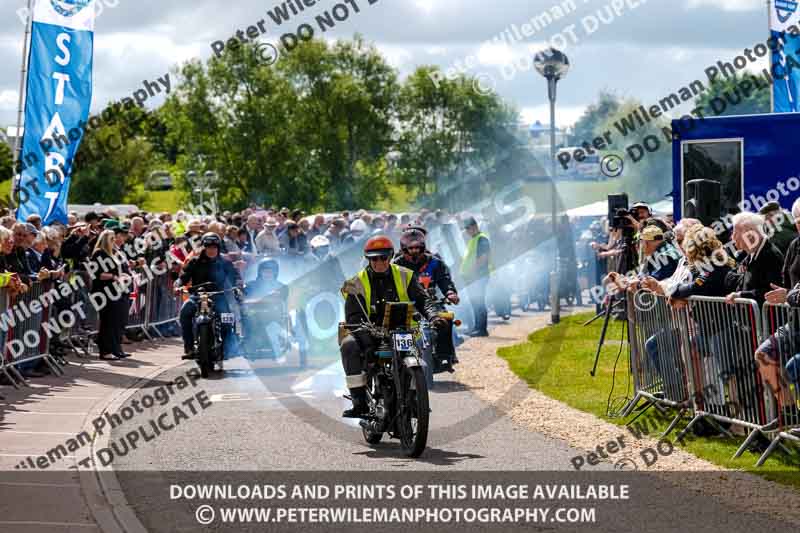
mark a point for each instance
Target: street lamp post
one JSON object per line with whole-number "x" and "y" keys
{"x": 195, "y": 181}
{"x": 553, "y": 65}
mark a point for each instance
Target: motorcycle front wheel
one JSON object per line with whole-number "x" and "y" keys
{"x": 205, "y": 345}
{"x": 416, "y": 412}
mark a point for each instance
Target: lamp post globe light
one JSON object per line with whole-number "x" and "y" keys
{"x": 553, "y": 65}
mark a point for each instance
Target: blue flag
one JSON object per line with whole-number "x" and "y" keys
{"x": 58, "y": 98}
{"x": 785, "y": 31}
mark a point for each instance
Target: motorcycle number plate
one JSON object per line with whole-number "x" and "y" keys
{"x": 403, "y": 342}
{"x": 227, "y": 318}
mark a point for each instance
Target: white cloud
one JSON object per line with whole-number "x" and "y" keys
{"x": 565, "y": 115}
{"x": 399, "y": 57}
{"x": 436, "y": 50}
{"x": 729, "y": 5}
{"x": 8, "y": 100}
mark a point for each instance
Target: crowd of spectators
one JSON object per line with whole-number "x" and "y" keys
{"x": 756, "y": 258}
{"x": 31, "y": 253}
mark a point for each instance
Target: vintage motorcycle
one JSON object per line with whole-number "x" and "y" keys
{"x": 208, "y": 326}
{"x": 438, "y": 353}
{"x": 397, "y": 392}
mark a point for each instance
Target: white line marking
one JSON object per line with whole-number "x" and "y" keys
{"x": 55, "y": 485}
{"x": 60, "y": 524}
{"x": 36, "y": 432}
{"x": 76, "y": 398}
{"x": 31, "y": 456}
{"x": 48, "y": 413}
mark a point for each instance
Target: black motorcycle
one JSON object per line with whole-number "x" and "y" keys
{"x": 397, "y": 393}
{"x": 437, "y": 352}
{"x": 208, "y": 327}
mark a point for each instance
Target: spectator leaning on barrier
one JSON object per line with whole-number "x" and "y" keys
{"x": 17, "y": 260}
{"x": 787, "y": 336}
{"x": 709, "y": 264}
{"x": 9, "y": 279}
{"x": 760, "y": 262}
{"x": 682, "y": 273}
{"x": 659, "y": 259}
{"x": 784, "y": 341}
{"x": 779, "y": 226}
{"x": 791, "y": 264}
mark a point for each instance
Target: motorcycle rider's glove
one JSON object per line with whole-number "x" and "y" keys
{"x": 439, "y": 323}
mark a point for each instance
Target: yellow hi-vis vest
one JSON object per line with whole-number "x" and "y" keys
{"x": 402, "y": 280}
{"x": 472, "y": 255}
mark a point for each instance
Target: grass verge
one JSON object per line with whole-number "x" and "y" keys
{"x": 564, "y": 376}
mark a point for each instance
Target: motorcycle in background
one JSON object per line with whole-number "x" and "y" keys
{"x": 208, "y": 327}
{"x": 438, "y": 352}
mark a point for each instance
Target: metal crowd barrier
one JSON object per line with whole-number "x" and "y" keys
{"x": 6, "y": 367}
{"x": 657, "y": 348}
{"x": 725, "y": 382}
{"x": 165, "y": 305}
{"x": 138, "y": 304}
{"x": 28, "y": 335}
{"x": 782, "y": 327}
{"x": 28, "y": 338}
{"x": 700, "y": 358}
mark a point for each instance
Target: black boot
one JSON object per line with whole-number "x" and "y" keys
{"x": 360, "y": 408}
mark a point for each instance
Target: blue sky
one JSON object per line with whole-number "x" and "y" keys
{"x": 648, "y": 49}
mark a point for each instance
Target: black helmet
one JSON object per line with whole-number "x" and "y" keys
{"x": 269, "y": 264}
{"x": 211, "y": 239}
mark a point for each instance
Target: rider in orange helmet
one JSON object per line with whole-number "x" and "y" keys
{"x": 378, "y": 283}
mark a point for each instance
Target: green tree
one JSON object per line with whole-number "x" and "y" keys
{"x": 347, "y": 98}
{"x": 114, "y": 160}
{"x": 6, "y": 162}
{"x": 586, "y": 128}
{"x": 729, "y": 92}
{"x": 449, "y": 129}
{"x": 310, "y": 131}
{"x": 648, "y": 176}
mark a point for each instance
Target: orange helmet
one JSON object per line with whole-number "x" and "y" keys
{"x": 379, "y": 246}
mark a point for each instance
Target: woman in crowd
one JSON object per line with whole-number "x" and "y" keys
{"x": 708, "y": 262}
{"x": 109, "y": 281}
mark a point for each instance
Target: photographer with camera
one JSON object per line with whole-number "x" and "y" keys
{"x": 659, "y": 258}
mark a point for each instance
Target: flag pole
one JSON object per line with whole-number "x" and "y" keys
{"x": 769, "y": 36}
{"x": 22, "y": 86}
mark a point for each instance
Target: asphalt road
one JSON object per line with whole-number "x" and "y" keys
{"x": 268, "y": 424}
{"x": 266, "y": 417}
